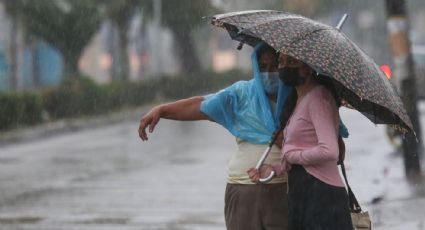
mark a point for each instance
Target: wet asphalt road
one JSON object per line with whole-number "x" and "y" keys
{"x": 106, "y": 178}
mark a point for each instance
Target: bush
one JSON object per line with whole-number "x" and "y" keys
{"x": 75, "y": 98}
{"x": 130, "y": 93}
{"x": 20, "y": 109}
{"x": 82, "y": 96}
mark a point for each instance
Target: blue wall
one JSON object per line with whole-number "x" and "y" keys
{"x": 49, "y": 67}
{"x": 4, "y": 81}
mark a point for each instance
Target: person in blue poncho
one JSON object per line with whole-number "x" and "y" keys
{"x": 250, "y": 110}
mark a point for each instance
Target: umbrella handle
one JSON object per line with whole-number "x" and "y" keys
{"x": 261, "y": 161}
{"x": 267, "y": 179}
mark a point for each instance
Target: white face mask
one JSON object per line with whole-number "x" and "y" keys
{"x": 270, "y": 82}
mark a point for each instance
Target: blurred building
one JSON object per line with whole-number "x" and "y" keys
{"x": 36, "y": 62}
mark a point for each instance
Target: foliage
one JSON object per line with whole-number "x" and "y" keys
{"x": 68, "y": 25}
{"x": 13, "y": 8}
{"x": 182, "y": 17}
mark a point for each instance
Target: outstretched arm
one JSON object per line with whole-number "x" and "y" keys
{"x": 182, "y": 110}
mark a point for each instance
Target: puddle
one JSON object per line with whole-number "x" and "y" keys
{"x": 105, "y": 220}
{"x": 20, "y": 220}
{"x": 9, "y": 160}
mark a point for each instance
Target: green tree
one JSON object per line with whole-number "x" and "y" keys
{"x": 68, "y": 25}
{"x": 182, "y": 17}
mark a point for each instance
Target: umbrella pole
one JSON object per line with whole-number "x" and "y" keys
{"x": 265, "y": 154}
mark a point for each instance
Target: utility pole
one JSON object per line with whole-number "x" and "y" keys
{"x": 398, "y": 28}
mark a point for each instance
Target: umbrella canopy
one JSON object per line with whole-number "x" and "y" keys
{"x": 357, "y": 78}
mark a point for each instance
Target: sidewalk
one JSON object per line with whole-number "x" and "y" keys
{"x": 376, "y": 175}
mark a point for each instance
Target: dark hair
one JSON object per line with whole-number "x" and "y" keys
{"x": 291, "y": 101}
{"x": 288, "y": 109}
{"x": 264, "y": 49}
{"x": 328, "y": 83}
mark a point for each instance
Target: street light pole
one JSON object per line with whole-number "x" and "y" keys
{"x": 398, "y": 28}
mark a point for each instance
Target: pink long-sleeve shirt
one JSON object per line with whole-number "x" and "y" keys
{"x": 311, "y": 137}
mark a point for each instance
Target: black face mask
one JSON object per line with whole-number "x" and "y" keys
{"x": 291, "y": 76}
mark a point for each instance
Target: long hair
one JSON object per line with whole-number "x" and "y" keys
{"x": 328, "y": 83}
{"x": 288, "y": 109}
{"x": 264, "y": 49}
{"x": 291, "y": 101}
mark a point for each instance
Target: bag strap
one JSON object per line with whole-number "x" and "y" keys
{"x": 354, "y": 204}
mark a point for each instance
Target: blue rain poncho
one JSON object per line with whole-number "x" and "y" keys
{"x": 244, "y": 109}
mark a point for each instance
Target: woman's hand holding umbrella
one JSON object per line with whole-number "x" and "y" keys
{"x": 263, "y": 172}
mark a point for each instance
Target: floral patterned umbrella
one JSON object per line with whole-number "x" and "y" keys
{"x": 357, "y": 78}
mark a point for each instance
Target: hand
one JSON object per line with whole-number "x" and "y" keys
{"x": 150, "y": 119}
{"x": 255, "y": 174}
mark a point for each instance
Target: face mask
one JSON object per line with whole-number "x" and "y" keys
{"x": 270, "y": 82}
{"x": 291, "y": 76}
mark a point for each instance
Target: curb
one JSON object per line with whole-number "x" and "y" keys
{"x": 49, "y": 129}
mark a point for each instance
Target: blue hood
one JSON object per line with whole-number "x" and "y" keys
{"x": 244, "y": 109}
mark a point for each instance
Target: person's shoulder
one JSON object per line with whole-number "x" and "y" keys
{"x": 233, "y": 90}
{"x": 319, "y": 96}
{"x": 240, "y": 86}
{"x": 321, "y": 92}
{"x": 242, "y": 83}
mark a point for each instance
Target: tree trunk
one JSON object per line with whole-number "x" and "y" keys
{"x": 112, "y": 48}
{"x": 186, "y": 51}
{"x": 13, "y": 54}
{"x": 71, "y": 66}
{"x": 34, "y": 63}
{"x": 124, "y": 60}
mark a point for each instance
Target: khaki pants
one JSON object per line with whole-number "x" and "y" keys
{"x": 256, "y": 207}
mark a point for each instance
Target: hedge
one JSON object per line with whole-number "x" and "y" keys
{"x": 20, "y": 109}
{"x": 82, "y": 97}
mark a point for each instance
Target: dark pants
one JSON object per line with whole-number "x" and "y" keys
{"x": 256, "y": 207}
{"x": 315, "y": 205}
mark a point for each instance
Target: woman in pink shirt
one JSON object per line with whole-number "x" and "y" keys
{"x": 316, "y": 194}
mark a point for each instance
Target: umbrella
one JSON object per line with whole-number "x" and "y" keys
{"x": 358, "y": 80}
